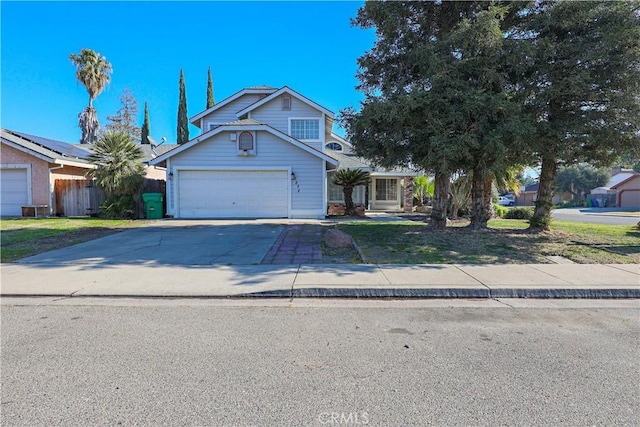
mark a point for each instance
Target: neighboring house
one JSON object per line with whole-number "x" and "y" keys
{"x": 527, "y": 195}
{"x": 30, "y": 165}
{"x": 266, "y": 152}
{"x": 628, "y": 192}
{"x": 623, "y": 189}
{"x": 150, "y": 152}
{"x": 36, "y": 173}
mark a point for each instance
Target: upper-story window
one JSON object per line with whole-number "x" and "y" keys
{"x": 334, "y": 146}
{"x": 212, "y": 126}
{"x": 245, "y": 141}
{"x": 305, "y": 129}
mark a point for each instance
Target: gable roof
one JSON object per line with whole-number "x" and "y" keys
{"x": 49, "y": 150}
{"x": 620, "y": 177}
{"x": 265, "y": 90}
{"x": 244, "y": 124}
{"x": 288, "y": 90}
{"x": 629, "y": 178}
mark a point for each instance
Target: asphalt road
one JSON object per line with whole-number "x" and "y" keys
{"x": 610, "y": 216}
{"x": 192, "y": 362}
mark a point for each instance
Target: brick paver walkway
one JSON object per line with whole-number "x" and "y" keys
{"x": 297, "y": 244}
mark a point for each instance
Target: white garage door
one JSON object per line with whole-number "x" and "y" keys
{"x": 233, "y": 194}
{"x": 14, "y": 191}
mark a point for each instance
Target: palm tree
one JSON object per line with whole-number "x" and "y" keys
{"x": 348, "y": 179}
{"x": 94, "y": 72}
{"x": 422, "y": 187}
{"x": 119, "y": 164}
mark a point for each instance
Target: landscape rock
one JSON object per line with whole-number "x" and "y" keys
{"x": 335, "y": 238}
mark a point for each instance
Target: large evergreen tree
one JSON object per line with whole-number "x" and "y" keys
{"x": 183, "y": 122}
{"x": 581, "y": 87}
{"x": 94, "y": 72}
{"x": 144, "y": 134}
{"x": 210, "y": 100}
{"x": 435, "y": 93}
{"x": 124, "y": 121}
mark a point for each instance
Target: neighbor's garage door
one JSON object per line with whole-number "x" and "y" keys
{"x": 14, "y": 191}
{"x": 630, "y": 199}
{"x": 233, "y": 194}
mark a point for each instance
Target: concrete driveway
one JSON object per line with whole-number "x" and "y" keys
{"x": 204, "y": 242}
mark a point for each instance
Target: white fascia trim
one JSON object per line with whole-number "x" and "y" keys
{"x": 279, "y": 92}
{"x": 393, "y": 174}
{"x": 64, "y": 162}
{"x": 227, "y": 100}
{"x": 254, "y": 128}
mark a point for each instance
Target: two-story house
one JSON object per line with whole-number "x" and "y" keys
{"x": 266, "y": 152}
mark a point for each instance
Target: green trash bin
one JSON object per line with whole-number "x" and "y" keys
{"x": 153, "y": 205}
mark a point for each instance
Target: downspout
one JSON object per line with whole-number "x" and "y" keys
{"x": 51, "y": 189}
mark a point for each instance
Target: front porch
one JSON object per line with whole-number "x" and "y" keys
{"x": 385, "y": 193}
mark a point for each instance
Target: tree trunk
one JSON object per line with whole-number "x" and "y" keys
{"x": 544, "y": 203}
{"x": 479, "y": 214}
{"x": 348, "y": 200}
{"x": 488, "y": 197}
{"x": 440, "y": 198}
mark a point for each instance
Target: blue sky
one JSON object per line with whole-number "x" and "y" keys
{"x": 309, "y": 46}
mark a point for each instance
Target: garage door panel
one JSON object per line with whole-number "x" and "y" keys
{"x": 14, "y": 191}
{"x": 241, "y": 194}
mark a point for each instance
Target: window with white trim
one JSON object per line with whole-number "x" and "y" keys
{"x": 334, "y": 146}
{"x": 386, "y": 189}
{"x": 305, "y": 129}
{"x": 245, "y": 141}
{"x": 336, "y": 193}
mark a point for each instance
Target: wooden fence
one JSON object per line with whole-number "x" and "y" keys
{"x": 76, "y": 197}
{"x": 80, "y": 197}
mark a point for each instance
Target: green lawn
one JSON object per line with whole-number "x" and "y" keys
{"x": 22, "y": 237}
{"x": 506, "y": 241}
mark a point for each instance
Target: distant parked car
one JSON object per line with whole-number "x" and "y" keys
{"x": 506, "y": 201}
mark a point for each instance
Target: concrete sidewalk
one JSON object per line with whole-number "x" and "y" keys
{"x": 319, "y": 280}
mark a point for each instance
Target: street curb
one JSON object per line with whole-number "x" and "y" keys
{"x": 390, "y": 293}
{"x": 593, "y": 293}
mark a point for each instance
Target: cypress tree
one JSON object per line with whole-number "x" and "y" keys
{"x": 210, "y": 101}
{"x": 183, "y": 123}
{"x": 145, "y": 126}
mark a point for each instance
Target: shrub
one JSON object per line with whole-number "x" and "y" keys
{"x": 118, "y": 207}
{"x": 519, "y": 213}
{"x": 499, "y": 211}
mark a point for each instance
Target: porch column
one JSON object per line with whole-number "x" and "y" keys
{"x": 408, "y": 194}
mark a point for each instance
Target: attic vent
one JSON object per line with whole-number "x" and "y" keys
{"x": 245, "y": 142}
{"x": 286, "y": 103}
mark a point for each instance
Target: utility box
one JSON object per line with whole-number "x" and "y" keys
{"x": 153, "y": 205}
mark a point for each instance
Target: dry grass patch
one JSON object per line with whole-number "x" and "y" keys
{"x": 505, "y": 242}
{"x": 22, "y": 237}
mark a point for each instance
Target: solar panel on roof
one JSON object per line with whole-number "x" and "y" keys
{"x": 64, "y": 148}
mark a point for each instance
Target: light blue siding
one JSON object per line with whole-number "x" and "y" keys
{"x": 228, "y": 112}
{"x": 271, "y": 152}
{"x": 272, "y": 113}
